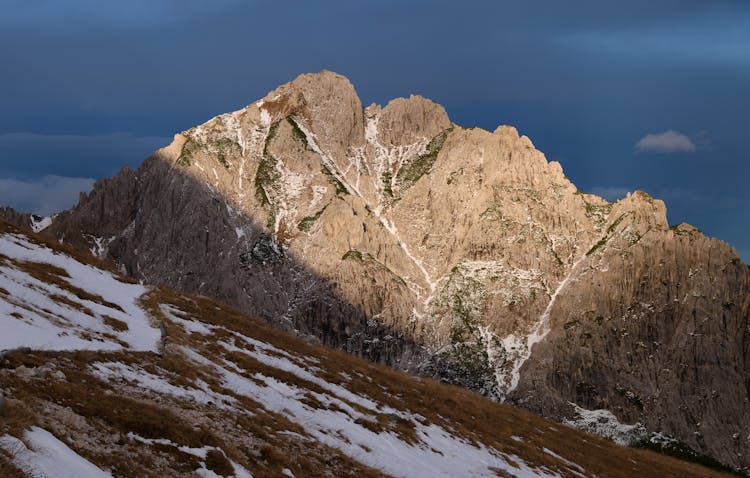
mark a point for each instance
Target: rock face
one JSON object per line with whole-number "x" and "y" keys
{"x": 24, "y": 220}
{"x": 461, "y": 253}
{"x": 15, "y": 217}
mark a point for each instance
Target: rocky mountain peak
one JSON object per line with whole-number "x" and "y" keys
{"x": 326, "y": 102}
{"x": 405, "y": 121}
{"x": 454, "y": 252}
{"x": 647, "y": 210}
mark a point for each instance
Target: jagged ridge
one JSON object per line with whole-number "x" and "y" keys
{"x": 480, "y": 249}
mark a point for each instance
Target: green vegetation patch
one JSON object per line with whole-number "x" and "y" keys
{"x": 223, "y": 148}
{"x": 617, "y": 222}
{"x": 600, "y": 211}
{"x": 187, "y": 154}
{"x": 297, "y": 132}
{"x": 368, "y": 259}
{"x": 636, "y": 237}
{"x": 387, "y": 179}
{"x": 307, "y": 222}
{"x": 352, "y": 254}
{"x": 683, "y": 232}
{"x": 340, "y": 188}
{"x": 416, "y": 167}
{"x": 554, "y": 254}
{"x": 494, "y": 214}
{"x": 453, "y": 177}
{"x": 226, "y": 148}
{"x": 465, "y": 320}
{"x": 601, "y": 243}
{"x": 464, "y": 364}
{"x": 268, "y": 177}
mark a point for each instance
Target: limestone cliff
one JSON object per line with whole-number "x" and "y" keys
{"x": 461, "y": 253}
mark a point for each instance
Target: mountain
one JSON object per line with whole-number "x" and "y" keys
{"x": 108, "y": 377}
{"x": 457, "y": 253}
{"x": 29, "y": 221}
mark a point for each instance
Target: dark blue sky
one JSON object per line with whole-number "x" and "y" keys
{"x": 90, "y": 86}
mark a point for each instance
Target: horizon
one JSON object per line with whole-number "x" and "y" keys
{"x": 625, "y": 97}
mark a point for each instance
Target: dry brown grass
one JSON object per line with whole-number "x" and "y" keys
{"x": 90, "y": 397}
{"x": 115, "y": 324}
{"x": 8, "y": 469}
{"x": 16, "y": 416}
{"x": 50, "y": 274}
{"x": 218, "y": 463}
{"x": 112, "y": 409}
{"x": 81, "y": 256}
{"x": 465, "y": 413}
{"x": 115, "y": 409}
{"x": 61, "y": 299}
{"x": 274, "y": 107}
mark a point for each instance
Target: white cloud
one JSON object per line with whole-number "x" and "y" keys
{"x": 666, "y": 142}
{"x": 44, "y": 196}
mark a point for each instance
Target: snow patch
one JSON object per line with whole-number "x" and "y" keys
{"x": 202, "y": 453}
{"x": 44, "y": 456}
{"x": 190, "y": 326}
{"x": 110, "y": 371}
{"x": 606, "y": 425}
{"x": 101, "y": 245}
{"x": 47, "y": 316}
{"x": 576, "y": 469}
{"x": 265, "y": 117}
{"x": 437, "y": 453}
{"x": 40, "y": 223}
{"x": 539, "y": 332}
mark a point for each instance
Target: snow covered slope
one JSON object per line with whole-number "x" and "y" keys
{"x": 229, "y": 396}
{"x": 51, "y": 301}
{"x": 45, "y": 455}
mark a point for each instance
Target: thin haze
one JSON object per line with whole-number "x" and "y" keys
{"x": 631, "y": 95}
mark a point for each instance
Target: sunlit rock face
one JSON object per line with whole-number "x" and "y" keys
{"x": 394, "y": 234}
{"x": 102, "y": 376}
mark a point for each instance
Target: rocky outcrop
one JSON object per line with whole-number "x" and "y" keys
{"x": 653, "y": 327}
{"x": 25, "y": 220}
{"x": 16, "y": 218}
{"x": 461, "y": 253}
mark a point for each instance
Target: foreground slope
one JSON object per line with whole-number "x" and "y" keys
{"x": 226, "y": 395}
{"x": 458, "y": 253}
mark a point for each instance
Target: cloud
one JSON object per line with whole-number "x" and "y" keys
{"x": 44, "y": 196}
{"x": 666, "y": 142}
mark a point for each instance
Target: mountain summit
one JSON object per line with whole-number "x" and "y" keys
{"x": 459, "y": 253}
